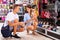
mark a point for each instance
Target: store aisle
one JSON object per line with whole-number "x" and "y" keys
{"x": 25, "y": 36}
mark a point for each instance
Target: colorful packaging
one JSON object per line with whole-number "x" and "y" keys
{"x": 0, "y": 1}
{"x": 3, "y": 18}
{"x": 4, "y": 1}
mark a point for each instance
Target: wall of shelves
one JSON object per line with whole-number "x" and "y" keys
{"x": 5, "y": 4}
{"x": 47, "y": 28}
{"x": 4, "y": 8}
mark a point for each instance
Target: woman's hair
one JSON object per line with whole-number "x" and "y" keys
{"x": 26, "y": 11}
{"x": 28, "y": 6}
{"x": 33, "y": 6}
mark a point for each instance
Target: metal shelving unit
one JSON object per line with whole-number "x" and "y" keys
{"x": 49, "y": 33}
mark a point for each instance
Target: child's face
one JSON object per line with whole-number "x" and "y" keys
{"x": 28, "y": 9}
{"x": 34, "y": 14}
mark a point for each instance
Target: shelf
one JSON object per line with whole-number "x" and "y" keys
{"x": 48, "y": 33}
{"x": 50, "y": 30}
{"x": 54, "y": 32}
{"x": 1, "y": 21}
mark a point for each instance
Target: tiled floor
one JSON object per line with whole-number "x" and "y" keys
{"x": 24, "y": 36}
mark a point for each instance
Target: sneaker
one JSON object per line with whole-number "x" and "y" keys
{"x": 15, "y": 36}
{"x": 11, "y": 36}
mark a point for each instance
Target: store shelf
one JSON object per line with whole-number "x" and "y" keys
{"x": 1, "y": 21}
{"x": 49, "y": 33}
{"x": 54, "y": 32}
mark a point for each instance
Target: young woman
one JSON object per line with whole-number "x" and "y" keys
{"x": 12, "y": 20}
{"x": 33, "y": 27}
{"x": 29, "y": 19}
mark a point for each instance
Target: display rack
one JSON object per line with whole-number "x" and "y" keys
{"x": 4, "y": 8}
{"x": 51, "y": 6}
{"x": 49, "y": 33}
{"x": 48, "y": 29}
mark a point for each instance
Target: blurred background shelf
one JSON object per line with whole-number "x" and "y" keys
{"x": 48, "y": 33}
